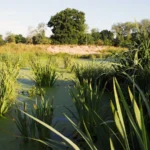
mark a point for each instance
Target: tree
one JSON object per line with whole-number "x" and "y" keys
{"x": 10, "y": 38}
{"x": 39, "y": 39}
{"x": 37, "y": 36}
{"x": 107, "y": 37}
{"x": 96, "y": 35}
{"x": 145, "y": 25}
{"x": 123, "y": 33}
{"x": 20, "y": 39}
{"x": 67, "y": 26}
{"x": 86, "y": 39}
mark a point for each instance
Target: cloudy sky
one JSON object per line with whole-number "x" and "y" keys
{"x": 17, "y": 16}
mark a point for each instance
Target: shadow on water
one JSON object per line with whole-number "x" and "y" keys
{"x": 26, "y": 81}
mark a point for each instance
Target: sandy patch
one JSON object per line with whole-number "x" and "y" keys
{"x": 72, "y": 49}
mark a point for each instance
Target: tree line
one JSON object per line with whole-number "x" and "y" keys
{"x": 68, "y": 27}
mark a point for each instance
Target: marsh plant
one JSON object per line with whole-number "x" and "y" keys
{"x": 88, "y": 101}
{"x": 136, "y": 63}
{"x": 95, "y": 74}
{"x": 34, "y": 91}
{"x": 68, "y": 61}
{"x": 45, "y": 74}
{"x": 8, "y": 82}
{"x": 131, "y": 129}
{"x": 10, "y": 59}
{"x": 22, "y": 123}
{"x": 43, "y": 110}
{"x": 29, "y": 129}
{"x": 130, "y": 119}
{"x": 130, "y": 124}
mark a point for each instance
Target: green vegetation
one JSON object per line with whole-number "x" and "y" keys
{"x": 30, "y": 130}
{"x": 44, "y": 74}
{"x": 67, "y": 26}
{"x": 8, "y": 76}
{"x": 109, "y": 91}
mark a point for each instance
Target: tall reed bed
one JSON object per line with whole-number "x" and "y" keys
{"x": 8, "y": 85}
{"x": 130, "y": 125}
{"x": 95, "y": 74}
{"x": 30, "y": 130}
{"x": 68, "y": 61}
{"x": 44, "y": 72}
{"x": 89, "y": 100}
{"x": 130, "y": 119}
{"x": 127, "y": 129}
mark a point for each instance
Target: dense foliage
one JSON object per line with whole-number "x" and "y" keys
{"x": 67, "y": 26}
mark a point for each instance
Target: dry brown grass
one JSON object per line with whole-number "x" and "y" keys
{"x": 54, "y": 49}
{"x": 23, "y": 48}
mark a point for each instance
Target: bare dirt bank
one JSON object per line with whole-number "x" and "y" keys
{"x": 72, "y": 49}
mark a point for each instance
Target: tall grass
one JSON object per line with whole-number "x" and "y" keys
{"x": 8, "y": 76}
{"x": 68, "y": 61}
{"x": 20, "y": 48}
{"x": 88, "y": 100}
{"x": 95, "y": 74}
{"x": 130, "y": 120}
{"x": 43, "y": 109}
{"x": 130, "y": 130}
{"x": 44, "y": 73}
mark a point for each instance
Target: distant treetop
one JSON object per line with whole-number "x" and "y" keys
{"x": 67, "y": 26}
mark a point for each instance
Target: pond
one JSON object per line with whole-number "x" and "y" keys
{"x": 62, "y": 99}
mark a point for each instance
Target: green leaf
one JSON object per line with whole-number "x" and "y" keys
{"x": 53, "y": 130}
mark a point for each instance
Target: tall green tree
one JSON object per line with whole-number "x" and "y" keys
{"x": 107, "y": 37}
{"x": 96, "y": 35}
{"x": 67, "y": 26}
{"x": 20, "y": 39}
{"x": 123, "y": 33}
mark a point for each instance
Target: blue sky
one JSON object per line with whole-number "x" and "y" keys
{"x": 17, "y": 15}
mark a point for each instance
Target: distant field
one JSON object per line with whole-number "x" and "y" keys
{"x": 70, "y": 49}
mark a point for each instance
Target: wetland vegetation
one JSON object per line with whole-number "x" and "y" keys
{"x": 97, "y": 101}
{"x": 60, "y": 101}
